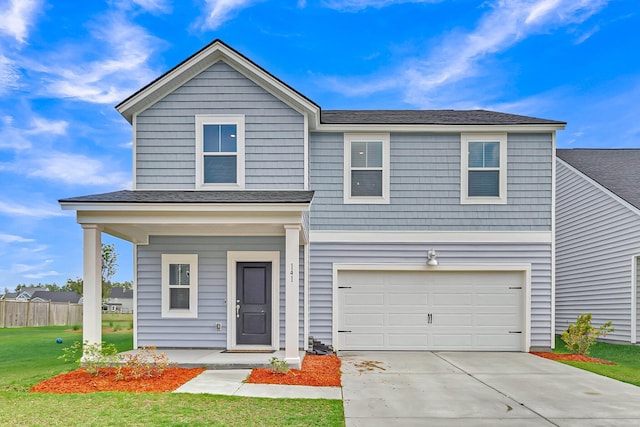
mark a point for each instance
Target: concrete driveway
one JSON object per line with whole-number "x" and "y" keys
{"x": 479, "y": 389}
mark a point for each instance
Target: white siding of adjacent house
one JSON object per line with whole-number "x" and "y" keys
{"x": 597, "y": 237}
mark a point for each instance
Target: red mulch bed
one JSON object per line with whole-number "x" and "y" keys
{"x": 80, "y": 381}
{"x": 316, "y": 371}
{"x": 573, "y": 358}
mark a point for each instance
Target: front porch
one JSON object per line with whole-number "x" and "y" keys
{"x": 190, "y": 248}
{"x": 219, "y": 359}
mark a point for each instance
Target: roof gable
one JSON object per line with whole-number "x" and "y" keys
{"x": 200, "y": 61}
{"x": 617, "y": 170}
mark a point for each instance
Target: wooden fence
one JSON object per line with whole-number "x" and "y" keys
{"x": 20, "y": 314}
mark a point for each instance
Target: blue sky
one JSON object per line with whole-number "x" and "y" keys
{"x": 64, "y": 65}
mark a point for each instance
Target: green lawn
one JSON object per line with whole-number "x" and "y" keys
{"x": 29, "y": 355}
{"x": 626, "y": 357}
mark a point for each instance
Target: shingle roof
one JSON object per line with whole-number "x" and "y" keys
{"x": 183, "y": 196}
{"x": 618, "y": 170}
{"x": 57, "y": 296}
{"x": 121, "y": 293}
{"x": 430, "y": 117}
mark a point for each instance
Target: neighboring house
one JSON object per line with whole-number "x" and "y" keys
{"x": 9, "y": 296}
{"x": 120, "y": 300}
{"x": 598, "y": 239}
{"x": 55, "y": 296}
{"x": 259, "y": 220}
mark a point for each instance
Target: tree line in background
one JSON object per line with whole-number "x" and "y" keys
{"x": 109, "y": 268}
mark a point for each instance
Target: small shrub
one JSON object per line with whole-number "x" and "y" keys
{"x": 145, "y": 363}
{"x": 581, "y": 336}
{"x": 279, "y": 366}
{"x": 76, "y": 327}
{"x": 93, "y": 357}
{"x": 116, "y": 328}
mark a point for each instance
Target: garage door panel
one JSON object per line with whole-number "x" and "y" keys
{"x": 407, "y": 319}
{"x": 403, "y": 341}
{"x": 363, "y": 299}
{"x": 452, "y": 341}
{"x": 508, "y": 321}
{"x": 364, "y": 319}
{"x": 469, "y": 310}
{"x": 403, "y": 299}
{"x": 443, "y": 299}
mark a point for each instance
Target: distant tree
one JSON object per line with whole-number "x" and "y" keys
{"x": 124, "y": 285}
{"x": 73, "y": 286}
{"x": 109, "y": 267}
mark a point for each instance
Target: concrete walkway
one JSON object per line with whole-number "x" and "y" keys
{"x": 479, "y": 389}
{"x": 230, "y": 382}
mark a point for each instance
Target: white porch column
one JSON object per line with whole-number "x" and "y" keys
{"x": 292, "y": 295}
{"x": 92, "y": 284}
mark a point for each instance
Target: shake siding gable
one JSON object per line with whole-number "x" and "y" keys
{"x": 165, "y": 133}
{"x": 425, "y": 186}
{"x": 596, "y": 240}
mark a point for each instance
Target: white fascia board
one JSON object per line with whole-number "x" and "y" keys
{"x": 185, "y": 218}
{"x": 437, "y": 128}
{"x": 214, "y": 53}
{"x": 186, "y": 207}
{"x": 599, "y": 186}
{"x": 430, "y": 236}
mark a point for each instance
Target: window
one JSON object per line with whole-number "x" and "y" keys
{"x": 366, "y": 168}
{"x": 179, "y": 285}
{"x": 483, "y": 169}
{"x": 220, "y": 151}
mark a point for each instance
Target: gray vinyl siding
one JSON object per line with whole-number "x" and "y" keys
{"x": 324, "y": 255}
{"x": 596, "y": 239}
{"x": 165, "y": 133}
{"x": 212, "y": 290}
{"x": 637, "y": 285}
{"x": 425, "y": 186}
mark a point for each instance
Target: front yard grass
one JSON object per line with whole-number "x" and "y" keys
{"x": 626, "y": 357}
{"x": 30, "y": 355}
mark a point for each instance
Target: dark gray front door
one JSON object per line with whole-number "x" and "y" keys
{"x": 253, "y": 303}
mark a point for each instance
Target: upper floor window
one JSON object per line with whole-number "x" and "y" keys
{"x": 484, "y": 169}
{"x": 366, "y": 168}
{"x": 220, "y": 151}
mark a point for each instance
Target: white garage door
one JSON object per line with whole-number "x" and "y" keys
{"x": 418, "y": 310}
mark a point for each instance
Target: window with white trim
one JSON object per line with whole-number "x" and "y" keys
{"x": 219, "y": 151}
{"x": 366, "y": 168}
{"x": 180, "y": 285}
{"x": 483, "y": 169}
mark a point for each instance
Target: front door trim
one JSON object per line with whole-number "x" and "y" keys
{"x": 233, "y": 258}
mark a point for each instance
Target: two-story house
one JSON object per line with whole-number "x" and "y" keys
{"x": 258, "y": 220}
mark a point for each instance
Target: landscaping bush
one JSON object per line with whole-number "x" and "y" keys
{"x": 580, "y": 336}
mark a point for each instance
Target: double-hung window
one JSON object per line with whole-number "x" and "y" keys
{"x": 366, "y": 168}
{"x": 220, "y": 151}
{"x": 483, "y": 169}
{"x": 180, "y": 285}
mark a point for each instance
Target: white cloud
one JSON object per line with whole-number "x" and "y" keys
{"x": 41, "y": 125}
{"x": 42, "y": 274}
{"x": 220, "y": 11}
{"x": 8, "y": 74}
{"x": 12, "y": 238}
{"x": 154, "y": 6}
{"x": 105, "y": 71}
{"x": 16, "y": 16}
{"x": 73, "y": 169}
{"x": 460, "y": 54}
{"x": 13, "y": 208}
{"x": 356, "y": 5}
